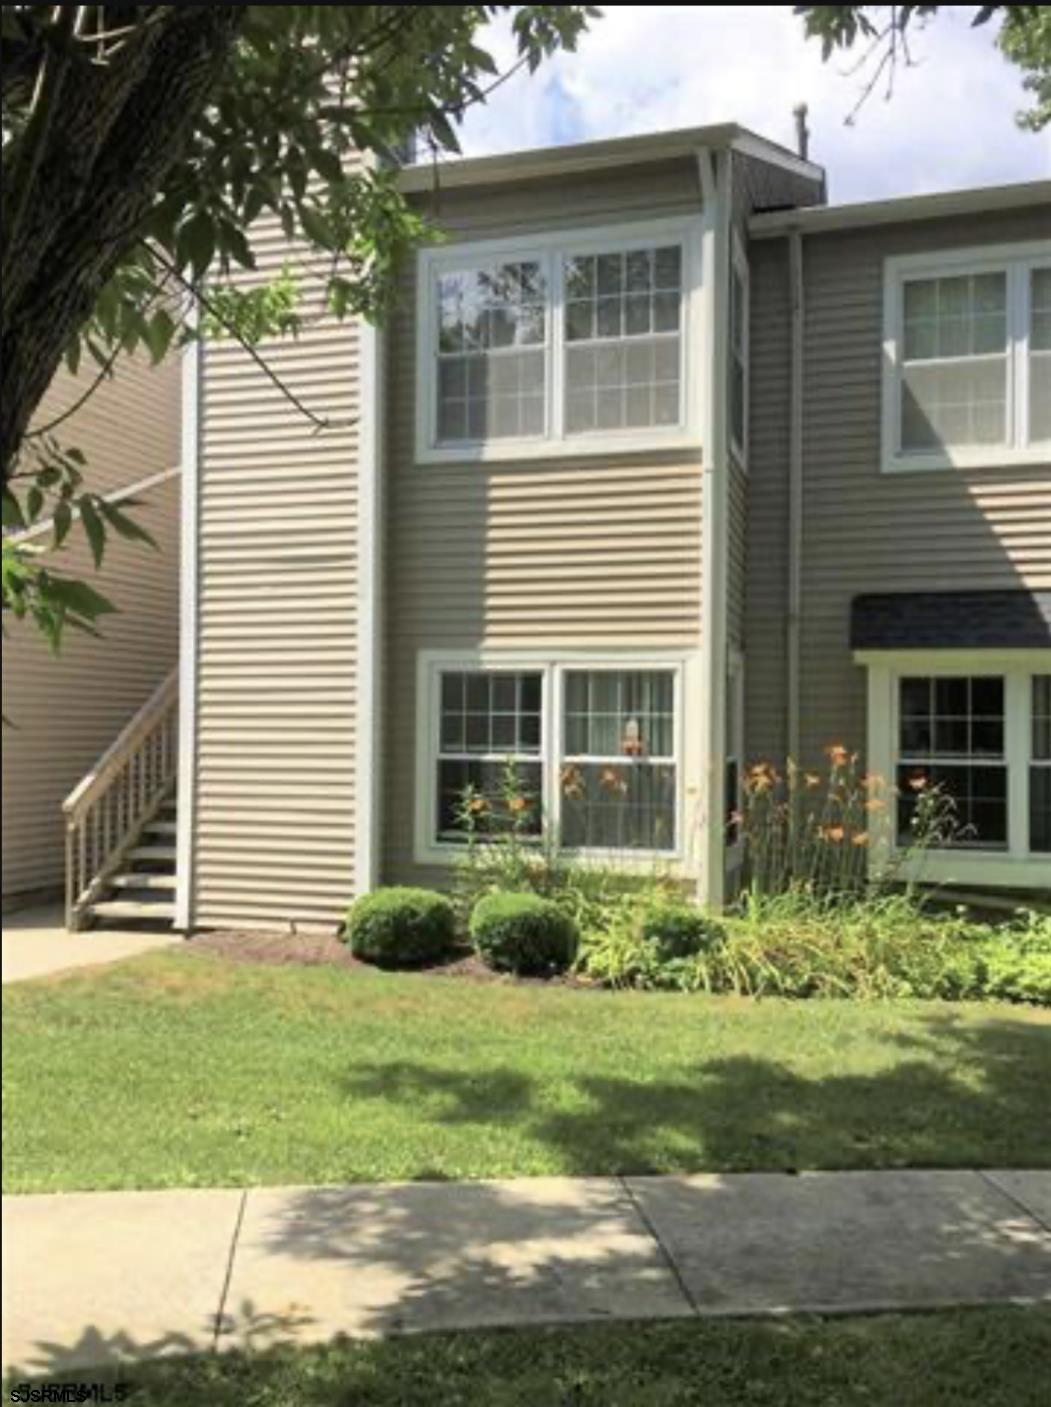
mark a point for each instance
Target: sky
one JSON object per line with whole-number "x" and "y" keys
{"x": 948, "y": 124}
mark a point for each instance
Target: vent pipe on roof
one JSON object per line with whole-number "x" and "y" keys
{"x": 802, "y": 130}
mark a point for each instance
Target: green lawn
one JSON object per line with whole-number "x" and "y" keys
{"x": 182, "y": 1070}
{"x": 972, "y": 1358}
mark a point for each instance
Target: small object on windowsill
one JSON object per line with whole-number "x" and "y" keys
{"x": 631, "y": 743}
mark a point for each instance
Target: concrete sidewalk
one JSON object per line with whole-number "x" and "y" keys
{"x": 35, "y": 943}
{"x": 93, "y": 1277}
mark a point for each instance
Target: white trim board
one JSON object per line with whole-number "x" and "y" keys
{"x": 368, "y": 782}
{"x": 189, "y": 642}
{"x": 115, "y": 496}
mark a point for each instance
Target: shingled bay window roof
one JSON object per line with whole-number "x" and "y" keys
{"x": 951, "y": 620}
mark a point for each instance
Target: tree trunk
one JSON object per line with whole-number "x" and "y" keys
{"x": 79, "y": 183}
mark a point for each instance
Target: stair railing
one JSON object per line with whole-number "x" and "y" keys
{"x": 107, "y": 809}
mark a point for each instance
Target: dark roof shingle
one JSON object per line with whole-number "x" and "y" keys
{"x": 947, "y": 620}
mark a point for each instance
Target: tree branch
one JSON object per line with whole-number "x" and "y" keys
{"x": 320, "y": 422}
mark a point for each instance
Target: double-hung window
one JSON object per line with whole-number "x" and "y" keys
{"x": 1040, "y": 766}
{"x": 964, "y": 739}
{"x": 967, "y": 358}
{"x": 570, "y": 344}
{"x": 951, "y": 740}
{"x": 587, "y": 753}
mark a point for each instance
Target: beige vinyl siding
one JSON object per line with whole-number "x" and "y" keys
{"x": 278, "y": 580}
{"x": 766, "y": 585}
{"x": 737, "y": 561}
{"x": 67, "y": 709}
{"x": 127, "y": 429}
{"x": 864, "y": 530}
{"x": 550, "y": 554}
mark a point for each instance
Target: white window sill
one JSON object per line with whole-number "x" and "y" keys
{"x": 992, "y": 458}
{"x": 577, "y": 447}
{"x": 976, "y": 867}
{"x": 629, "y": 861}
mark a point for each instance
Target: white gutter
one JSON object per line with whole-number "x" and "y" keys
{"x": 813, "y": 219}
{"x": 189, "y": 568}
{"x": 795, "y": 493}
{"x": 714, "y": 514}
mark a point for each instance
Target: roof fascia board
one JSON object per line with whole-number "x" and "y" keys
{"x": 817, "y": 219}
{"x": 595, "y": 156}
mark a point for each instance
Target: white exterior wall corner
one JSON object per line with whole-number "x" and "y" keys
{"x": 716, "y": 190}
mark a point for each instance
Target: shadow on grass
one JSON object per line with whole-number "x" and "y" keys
{"x": 968, "y": 1096}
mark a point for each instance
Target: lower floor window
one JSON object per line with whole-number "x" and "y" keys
{"x": 973, "y": 760}
{"x": 1040, "y": 766}
{"x": 951, "y": 751}
{"x": 590, "y": 754}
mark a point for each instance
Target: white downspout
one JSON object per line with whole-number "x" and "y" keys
{"x": 715, "y": 191}
{"x": 795, "y": 494}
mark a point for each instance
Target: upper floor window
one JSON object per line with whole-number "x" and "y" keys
{"x": 967, "y": 358}
{"x": 569, "y": 344}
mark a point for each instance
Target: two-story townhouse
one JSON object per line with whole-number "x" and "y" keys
{"x": 660, "y": 465}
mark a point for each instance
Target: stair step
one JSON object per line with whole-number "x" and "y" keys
{"x": 143, "y": 880}
{"x": 132, "y": 908}
{"x": 153, "y": 852}
{"x": 161, "y": 828}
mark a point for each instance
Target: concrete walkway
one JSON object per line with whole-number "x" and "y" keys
{"x": 35, "y": 944}
{"x": 93, "y": 1277}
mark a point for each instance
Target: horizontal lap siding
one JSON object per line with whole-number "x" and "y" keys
{"x": 128, "y": 428}
{"x": 864, "y": 530}
{"x": 67, "y": 709}
{"x": 540, "y": 555}
{"x": 277, "y": 665}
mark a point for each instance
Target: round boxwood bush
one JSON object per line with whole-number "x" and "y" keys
{"x": 523, "y": 933}
{"x": 678, "y": 930}
{"x": 401, "y": 927}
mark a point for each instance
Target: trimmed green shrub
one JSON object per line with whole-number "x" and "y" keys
{"x": 677, "y": 930}
{"x": 523, "y": 933}
{"x": 401, "y": 927}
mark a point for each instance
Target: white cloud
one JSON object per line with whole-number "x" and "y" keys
{"x": 950, "y": 121}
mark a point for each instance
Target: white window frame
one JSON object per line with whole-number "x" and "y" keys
{"x": 1016, "y": 261}
{"x": 1017, "y": 866}
{"x": 735, "y": 851}
{"x": 553, "y": 666}
{"x": 551, "y": 250}
{"x": 739, "y": 266}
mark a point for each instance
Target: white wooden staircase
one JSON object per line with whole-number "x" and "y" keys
{"x": 121, "y": 824}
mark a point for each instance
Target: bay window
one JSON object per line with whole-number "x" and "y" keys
{"x": 572, "y": 343}
{"x": 587, "y": 752}
{"x": 967, "y": 358}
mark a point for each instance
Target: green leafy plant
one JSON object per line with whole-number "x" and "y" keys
{"x": 401, "y": 927}
{"x": 813, "y": 831}
{"x": 800, "y": 944}
{"x": 523, "y": 933}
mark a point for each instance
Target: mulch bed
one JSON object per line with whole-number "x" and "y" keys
{"x": 326, "y": 950}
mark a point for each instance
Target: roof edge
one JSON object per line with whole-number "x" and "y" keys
{"x": 538, "y": 162}
{"x": 899, "y": 209}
